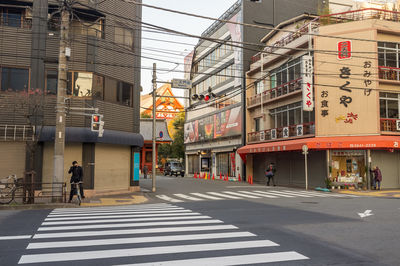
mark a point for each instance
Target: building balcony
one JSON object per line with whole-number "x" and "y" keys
{"x": 389, "y": 73}
{"x": 390, "y": 125}
{"x": 275, "y": 93}
{"x": 290, "y": 132}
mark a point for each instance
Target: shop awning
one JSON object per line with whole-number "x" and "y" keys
{"x": 325, "y": 143}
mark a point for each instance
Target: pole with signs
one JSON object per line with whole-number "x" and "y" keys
{"x": 305, "y": 152}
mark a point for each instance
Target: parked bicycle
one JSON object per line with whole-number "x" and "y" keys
{"x": 8, "y": 187}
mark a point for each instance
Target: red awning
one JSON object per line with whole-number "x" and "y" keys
{"x": 326, "y": 143}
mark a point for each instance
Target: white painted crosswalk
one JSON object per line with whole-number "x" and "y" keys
{"x": 122, "y": 236}
{"x": 249, "y": 194}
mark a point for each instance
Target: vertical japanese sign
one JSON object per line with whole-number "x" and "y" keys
{"x": 136, "y": 166}
{"x": 307, "y": 82}
{"x": 236, "y": 34}
{"x": 345, "y": 90}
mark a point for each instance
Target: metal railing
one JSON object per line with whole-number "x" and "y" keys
{"x": 344, "y": 17}
{"x": 276, "y": 92}
{"x": 389, "y": 73}
{"x": 390, "y": 125}
{"x": 17, "y": 132}
{"x": 268, "y": 135}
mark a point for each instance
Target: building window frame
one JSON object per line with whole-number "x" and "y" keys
{"x": 384, "y": 99}
{"x": 27, "y": 86}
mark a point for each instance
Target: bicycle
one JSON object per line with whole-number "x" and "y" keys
{"x": 8, "y": 186}
{"x": 77, "y": 191}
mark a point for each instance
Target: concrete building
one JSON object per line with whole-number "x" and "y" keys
{"x": 336, "y": 93}
{"x": 214, "y": 129}
{"x": 103, "y": 72}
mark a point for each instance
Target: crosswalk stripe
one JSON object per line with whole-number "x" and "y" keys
{"x": 127, "y": 215}
{"x": 329, "y": 194}
{"x": 307, "y": 193}
{"x": 241, "y": 195}
{"x": 117, "y": 212}
{"x": 118, "y": 253}
{"x": 165, "y": 197}
{"x": 102, "y": 226}
{"x": 83, "y": 210}
{"x": 183, "y": 196}
{"x": 127, "y": 220}
{"x": 136, "y": 240}
{"x": 292, "y": 193}
{"x": 230, "y": 260}
{"x": 15, "y": 237}
{"x": 223, "y": 195}
{"x": 259, "y": 194}
{"x": 275, "y": 194}
{"x": 206, "y": 196}
{"x": 134, "y": 231}
{"x": 126, "y": 207}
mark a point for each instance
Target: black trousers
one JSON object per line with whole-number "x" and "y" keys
{"x": 269, "y": 179}
{"x": 73, "y": 192}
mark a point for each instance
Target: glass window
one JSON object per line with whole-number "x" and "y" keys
{"x": 273, "y": 81}
{"x": 51, "y": 82}
{"x": 124, "y": 93}
{"x": 392, "y": 109}
{"x": 14, "y": 79}
{"x": 123, "y": 36}
{"x": 382, "y": 109}
{"x": 11, "y": 17}
{"x": 257, "y": 124}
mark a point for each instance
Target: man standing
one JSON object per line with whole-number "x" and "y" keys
{"x": 76, "y": 177}
{"x": 145, "y": 171}
{"x": 270, "y": 173}
{"x": 377, "y": 177}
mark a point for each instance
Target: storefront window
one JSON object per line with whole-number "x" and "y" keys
{"x": 14, "y": 79}
{"x": 226, "y": 164}
{"x": 348, "y": 166}
{"x": 193, "y": 164}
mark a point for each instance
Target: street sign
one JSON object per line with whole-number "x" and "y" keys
{"x": 305, "y": 149}
{"x": 181, "y": 83}
{"x": 161, "y": 134}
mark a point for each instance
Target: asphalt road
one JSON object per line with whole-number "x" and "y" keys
{"x": 194, "y": 222}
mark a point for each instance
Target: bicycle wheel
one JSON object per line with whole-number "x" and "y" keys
{"x": 7, "y": 195}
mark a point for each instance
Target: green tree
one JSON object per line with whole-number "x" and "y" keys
{"x": 178, "y": 147}
{"x": 144, "y": 115}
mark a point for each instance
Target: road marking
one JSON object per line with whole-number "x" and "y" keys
{"x": 121, "y": 216}
{"x": 241, "y": 195}
{"x": 183, "y": 196}
{"x": 102, "y": 226}
{"x": 118, "y": 212}
{"x": 118, "y": 253}
{"x": 206, "y": 196}
{"x": 258, "y": 194}
{"x": 136, "y": 240}
{"x": 127, "y": 220}
{"x": 134, "y": 231}
{"x": 245, "y": 186}
{"x": 274, "y": 194}
{"x": 365, "y": 214}
{"x": 231, "y": 260}
{"x": 292, "y": 193}
{"x": 223, "y": 195}
{"x": 309, "y": 193}
{"x": 132, "y": 207}
{"x": 116, "y": 209}
{"x": 15, "y": 237}
{"x": 165, "y": 197}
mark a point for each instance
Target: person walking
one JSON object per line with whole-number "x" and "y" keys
{"x": 145, "y": 171}
{"x": 76, "y": 177}
{"x": 270, "y": 173}
{"x": 377, "y": 177}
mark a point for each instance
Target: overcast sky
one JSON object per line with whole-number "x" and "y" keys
{"x": 173, "y": 52}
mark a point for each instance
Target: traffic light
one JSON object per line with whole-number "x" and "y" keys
{"x": 205, "y": 97}
{"x": 96, "y": 121}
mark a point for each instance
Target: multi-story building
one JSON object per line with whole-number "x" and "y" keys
{"x": 214, "y": 129}
{"x": 335, "y": 94}
{"x": 103, "y": 72}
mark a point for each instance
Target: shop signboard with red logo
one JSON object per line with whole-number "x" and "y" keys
{"x": 344, "y": 50}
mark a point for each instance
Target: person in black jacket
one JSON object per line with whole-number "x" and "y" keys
{"x": 76, "y": 177}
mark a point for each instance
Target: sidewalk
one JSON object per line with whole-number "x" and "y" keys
{"x": 96, "y": 201}
{"x": 390, "y": 193}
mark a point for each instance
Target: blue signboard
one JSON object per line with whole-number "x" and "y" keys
{"x": 136, "y": 166}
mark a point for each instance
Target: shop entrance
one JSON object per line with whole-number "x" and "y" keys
{"x": 348, "y": 167}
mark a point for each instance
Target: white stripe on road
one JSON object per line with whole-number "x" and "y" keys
{"x": 126, "y": 207}
{"x": 292, "y": 193}
{"x": 241, "y": 195}
{"x": 102, "y": 226}
{"x": 206, "y": 196}
{"x": 128, "y": 220}
{"x": 231, "y": 260}
{"x": 121, "y": 216}
{"x": 118, "y": 212}
{"x": 136, "y": 240}
{"x": 118, "y": 253}
{"x": 135, "y": 231}
{"x": 183, "y": 196}
{"x": 15, "y": 237}
{"x": 259, "y": 194}
{"x": 307, "y": 193}
{"x": 274, "y": 194}
{"x": 223, "y": 195}
{"x": 165, "y": 197}
{"x": 328, "y": 194}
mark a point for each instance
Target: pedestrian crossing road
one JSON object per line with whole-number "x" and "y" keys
{"x": 151, "y": 234}
{"x": 253, "y": 194}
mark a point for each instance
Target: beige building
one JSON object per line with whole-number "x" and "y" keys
{"x": 336, "y": 93}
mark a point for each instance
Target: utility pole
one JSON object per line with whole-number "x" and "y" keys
{"x": 154, "y": 126}
{"x": 59, "y": 139}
